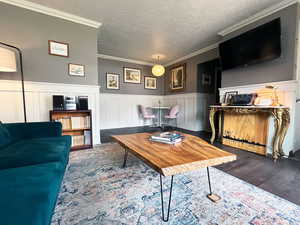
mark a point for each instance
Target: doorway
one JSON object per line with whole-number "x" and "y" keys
{"x": 209, "y": 75}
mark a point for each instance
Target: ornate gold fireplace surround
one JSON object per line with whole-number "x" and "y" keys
{"x": 281, "y": 115}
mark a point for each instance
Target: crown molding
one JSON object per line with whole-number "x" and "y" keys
{"x": 102, "y": 56}
{"x": 198, "y": 52}
{"x": 264, "y": 13}
{"x": 52, "y": 12}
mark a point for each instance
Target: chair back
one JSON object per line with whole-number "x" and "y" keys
{"x": 174, "y": 111}
{"x": 143, "y": 111}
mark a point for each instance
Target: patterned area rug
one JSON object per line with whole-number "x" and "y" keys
{"x": 96, "y": 190}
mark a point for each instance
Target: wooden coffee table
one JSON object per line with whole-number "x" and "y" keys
{"x": 168, "y": 160}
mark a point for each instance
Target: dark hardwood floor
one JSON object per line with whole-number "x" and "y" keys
{"x": 281, "y": 178}
{"x": 297, "y": 155}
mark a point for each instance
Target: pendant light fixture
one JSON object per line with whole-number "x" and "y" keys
{"x": 158, "y": 69}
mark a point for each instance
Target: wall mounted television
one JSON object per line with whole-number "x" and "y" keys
{"x": 255, "y": 46}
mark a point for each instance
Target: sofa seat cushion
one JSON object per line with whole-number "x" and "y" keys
{"x": 34, "y": 151}
{"x": 5, "y": 138}
{"x": 28, "y": 194}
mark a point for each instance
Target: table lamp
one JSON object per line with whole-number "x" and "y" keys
{"x": 275, "y": 95}
{"x": 8, "y": 63}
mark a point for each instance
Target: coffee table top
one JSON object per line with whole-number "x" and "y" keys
{"x": 191, "y": 154}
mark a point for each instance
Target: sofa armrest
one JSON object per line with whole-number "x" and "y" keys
{"x": 20, "y": 131}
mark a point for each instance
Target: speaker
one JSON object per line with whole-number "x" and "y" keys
{"x": 58, "y": 102}
{"x": 83, "y": 103}
{"x": 70, "y": 103}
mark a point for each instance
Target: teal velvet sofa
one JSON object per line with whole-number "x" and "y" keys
{"x": 33, "y": 159}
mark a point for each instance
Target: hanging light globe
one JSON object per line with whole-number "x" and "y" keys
{"x": 158, "y": 70}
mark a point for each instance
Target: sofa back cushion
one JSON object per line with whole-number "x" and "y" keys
{"x": 5, "y": 138}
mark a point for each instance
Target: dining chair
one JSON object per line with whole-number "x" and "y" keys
{"x": 173, "y": 114}
{"x": 146, "y": 114}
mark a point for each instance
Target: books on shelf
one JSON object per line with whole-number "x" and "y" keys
{"x": 167, "y": 137}
{"x": 75, "y": 121}
{"x": 80, "y": 122}
{"x": 84, "y": 139}
{"x": 87, "y": 137}
{"x": 77, "y": 140}
{"x": 66, "y": 122}
{"x": 77, "y": 124}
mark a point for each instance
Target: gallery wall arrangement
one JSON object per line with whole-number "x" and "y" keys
{"x": 129, "y": 78}
{"x": 130, "y": 75}
{"x": 134, "y": 76}
{"x": 57, "y": 48}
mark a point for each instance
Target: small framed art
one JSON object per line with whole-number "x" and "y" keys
{"x": 150, "y": 83}
{"x": 178, "y": 78}
{"x": 227, "y": 97}
{"x": 76, "y": 70}
{"x": 58, "y": 48}
{"x": 112, "y": 81}
{"x": 132, "y": 75}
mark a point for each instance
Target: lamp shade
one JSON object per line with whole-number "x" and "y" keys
{"x": 7, "y": 60}
{"x": 158, "y": 70}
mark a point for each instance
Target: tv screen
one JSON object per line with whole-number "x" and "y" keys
{"x": 255, "y": 46}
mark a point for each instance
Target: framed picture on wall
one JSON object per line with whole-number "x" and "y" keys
{"x": 178, "y": 77}
{"x": 112, "y": 81}
{"x": 76, "y": 70}
{"x": 206, "y": 79}
{"x": 150, "y": 83}
{"x": 58, "y": 48}
{"x": 132, "y": 75}
{"x": 227, "y": 97}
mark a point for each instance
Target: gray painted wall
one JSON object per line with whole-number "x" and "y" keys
{"x": 191, "y": 72}
{"x": 112, "y": 66}
{"x": 31, "y": 31}
{"x": 280, "y": 69}
{"x": 277, "y": 70}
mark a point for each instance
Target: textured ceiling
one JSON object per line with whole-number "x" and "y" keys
{"x": 137, "y": 29}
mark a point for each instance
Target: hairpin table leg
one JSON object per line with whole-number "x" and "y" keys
{"x": 162, "y": 200}
{"x": 125, "y": 158}
{"x": 211, "y": 196}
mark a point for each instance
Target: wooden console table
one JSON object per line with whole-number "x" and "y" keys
{"x": 281, "y": 115}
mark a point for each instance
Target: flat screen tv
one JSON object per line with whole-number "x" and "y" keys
{"x": 255, "y": 46}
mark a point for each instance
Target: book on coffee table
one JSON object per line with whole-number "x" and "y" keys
{"x": 167, "y": 137}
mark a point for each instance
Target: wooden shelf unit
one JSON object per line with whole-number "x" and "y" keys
{"x": 76, "y": 123}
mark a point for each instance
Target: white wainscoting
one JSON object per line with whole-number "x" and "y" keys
{"x": 39, "y": 101}
{"x": 193, "y": 110}
{"x": 288, "y": 92}
{"x": 120, "y": 110}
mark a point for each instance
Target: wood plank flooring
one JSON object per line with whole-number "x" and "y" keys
{"x": 281, "y": 178}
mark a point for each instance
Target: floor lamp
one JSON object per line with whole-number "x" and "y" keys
{"x": 8, "y": 63}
